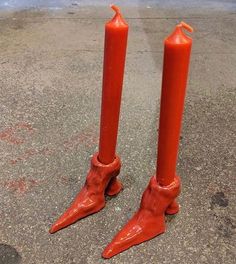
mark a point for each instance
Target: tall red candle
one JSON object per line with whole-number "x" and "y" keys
{"x": 177, "y": 49}
{"x": 159, "y": 197}
{"x": 116, "y": 33}
{"x": 105, "y": 165}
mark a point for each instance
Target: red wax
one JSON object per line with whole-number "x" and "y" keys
{"x": 177, "y": 49}
{"x": 116, "y": 33}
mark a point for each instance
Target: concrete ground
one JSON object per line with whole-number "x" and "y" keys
{"x": 51, "y": 70}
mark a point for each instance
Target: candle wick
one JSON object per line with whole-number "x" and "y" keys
{"x": 115, "y": 8}
{"x": 186, "y": 26}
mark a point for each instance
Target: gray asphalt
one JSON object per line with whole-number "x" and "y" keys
{"x": 177, "y": 4}
{"x": 51, "y": 70}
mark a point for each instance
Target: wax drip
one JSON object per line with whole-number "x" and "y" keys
{"x": 185, "y": 26}
{"x": 115, "y": 8}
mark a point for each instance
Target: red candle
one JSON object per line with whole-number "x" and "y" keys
{"x": 116, "y": 33}
{"x": 177, "y": 49}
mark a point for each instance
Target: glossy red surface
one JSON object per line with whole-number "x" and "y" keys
{"x": 149, "y": 220}
{"x": 116, "y": 33}
{"x": 101, "y": 180}
{"x": 175, "y": 72}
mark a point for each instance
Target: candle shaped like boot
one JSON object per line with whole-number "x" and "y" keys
{"x": 159, "y": 197}
{"x": 105, "y": 165}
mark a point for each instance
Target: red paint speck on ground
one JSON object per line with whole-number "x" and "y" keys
{"x": 87, "y": 137}
{"x": 10, "y": 134}
{"x": 32, "y": 152}
{"x": 23, "y": 125}
{"x": 7, "y": 135}
{"x": 20, "y": 185}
